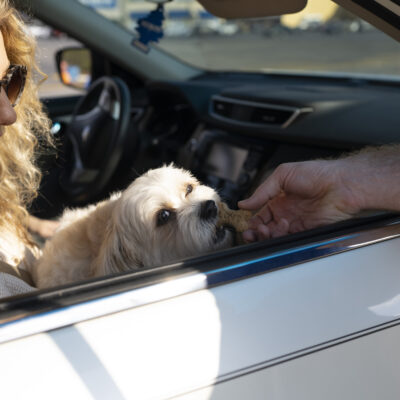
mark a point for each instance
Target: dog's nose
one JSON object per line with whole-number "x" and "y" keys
{"x": 208, "y": 209}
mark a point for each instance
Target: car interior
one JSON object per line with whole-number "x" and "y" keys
{"x": 229, "y": 128}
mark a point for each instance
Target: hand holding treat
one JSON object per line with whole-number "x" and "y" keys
{"x": 304, "y": 195}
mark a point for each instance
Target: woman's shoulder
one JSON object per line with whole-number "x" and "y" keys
{"x": 15, "y": 256}
{"x": 12, "y": 248}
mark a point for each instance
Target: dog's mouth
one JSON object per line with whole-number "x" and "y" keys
{"x": 221, "y": 232}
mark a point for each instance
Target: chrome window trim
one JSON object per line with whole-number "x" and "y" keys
{"x": 30, "y": 322}
{"x": 296, "y": 111}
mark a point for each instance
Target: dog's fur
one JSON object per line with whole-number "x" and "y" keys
{"x": 124, "y": 232}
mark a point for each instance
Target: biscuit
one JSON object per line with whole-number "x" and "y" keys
{"x": 237, "y": 219}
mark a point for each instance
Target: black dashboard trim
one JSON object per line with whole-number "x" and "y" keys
{"x": 296, "y": 111}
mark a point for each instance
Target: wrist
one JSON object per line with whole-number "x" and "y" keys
{"x": 348, "y": 186}
{"x": 371, "y": 176}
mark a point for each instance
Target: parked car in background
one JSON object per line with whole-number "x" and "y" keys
{"x": 313, "y": 315}
{"x": 39, "y": 31}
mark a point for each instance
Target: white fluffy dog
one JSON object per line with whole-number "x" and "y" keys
{"x": 163, "y": 216}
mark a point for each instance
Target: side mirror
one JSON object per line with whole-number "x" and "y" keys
{"x": 75, "y": 67}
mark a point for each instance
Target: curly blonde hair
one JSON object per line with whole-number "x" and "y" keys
{"x": 19, "y": 176}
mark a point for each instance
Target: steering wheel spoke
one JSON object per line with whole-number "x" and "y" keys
{"x": 83, "y": 125}
{"x": 97, "y": 133}
{"x": 83, "y": 175}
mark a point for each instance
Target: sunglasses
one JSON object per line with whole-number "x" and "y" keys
{"x": 13, "y": 82}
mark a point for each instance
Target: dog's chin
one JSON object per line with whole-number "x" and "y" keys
{"x": 224, "y": 237}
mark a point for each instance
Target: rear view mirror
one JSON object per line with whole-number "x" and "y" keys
{"x": 75, "y": 67}
{"x": 252, "y": 8}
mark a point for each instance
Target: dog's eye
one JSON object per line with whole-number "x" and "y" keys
{"x": 163, "y": 217}
{"x": 189, "y": 189}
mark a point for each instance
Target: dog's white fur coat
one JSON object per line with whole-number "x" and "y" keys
{"x": 121, "y": 233}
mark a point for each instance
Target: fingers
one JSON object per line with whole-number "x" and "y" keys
{"x": 47, "y": 228}
{"x": 258, "y": 219}
{"x": 266, "y": 191}
{"x": 262, "y": 218}
{"x": 280, "y": 229}
{"x": 267, "y": 231}
{"x": 253, "y": 235}
{"x": 43, "y": 227}
{"x": 249, "y": 236}
{"x": 268, "y": 222}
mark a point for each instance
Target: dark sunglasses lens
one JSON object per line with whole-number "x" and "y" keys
{"x": 15, "y": 86}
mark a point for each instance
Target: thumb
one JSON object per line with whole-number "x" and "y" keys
{"x": 265, "y": 192}
{"x": 249, "y": 204}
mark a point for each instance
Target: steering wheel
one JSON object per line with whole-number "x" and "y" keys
{"x": 95, "y": 138}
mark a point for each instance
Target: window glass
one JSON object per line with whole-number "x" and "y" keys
{"x": 322, "y": 37}
{"x": 49, "y": 41}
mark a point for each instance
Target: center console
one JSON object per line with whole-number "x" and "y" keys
{"x": 223, "y": 161}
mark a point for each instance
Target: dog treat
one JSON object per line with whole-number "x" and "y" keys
{"x": 234, "y": 218}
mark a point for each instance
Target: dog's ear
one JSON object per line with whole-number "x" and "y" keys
{"x": 115, "y": 254}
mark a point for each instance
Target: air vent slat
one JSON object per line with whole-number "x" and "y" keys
{"x": 248, "y": 113}
{"x": 270, "y": 116}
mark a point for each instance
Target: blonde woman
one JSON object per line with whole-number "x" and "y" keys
{"x": 22, "y": 125}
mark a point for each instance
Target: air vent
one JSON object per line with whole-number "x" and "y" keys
{"x": 249, "y": 113}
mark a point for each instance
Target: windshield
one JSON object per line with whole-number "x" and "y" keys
{"x": 323, "y": 37}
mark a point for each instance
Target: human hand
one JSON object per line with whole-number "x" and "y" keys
{"x": 300, "y": 196}
{"x": 43, "y": 227}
